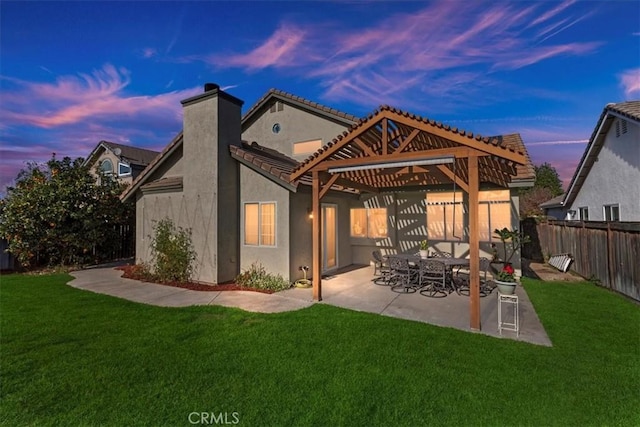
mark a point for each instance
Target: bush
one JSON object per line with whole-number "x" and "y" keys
{"x": 172, "y": 252}
{"x": 257, "y": 277}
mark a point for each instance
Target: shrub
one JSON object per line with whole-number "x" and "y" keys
{"x": 172, "y": 252}
{"x": 257, "y": 277}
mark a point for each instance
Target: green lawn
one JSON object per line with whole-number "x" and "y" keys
{"x": 71, "y": 357}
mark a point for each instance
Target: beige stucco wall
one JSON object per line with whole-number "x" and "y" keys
{"x": 257, "y": 188}
{"x": 407, "y": 226}
{"x": 152, "y": 207}
{"x": 295, "y": 126}
{"x": 107, "y": 154}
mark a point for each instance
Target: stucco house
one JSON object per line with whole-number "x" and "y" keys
{"x": 122, "y": 161}
{"x": 239, "y": 183}
{"x": 606, "y": 184}
{"x": 553, "y": 208}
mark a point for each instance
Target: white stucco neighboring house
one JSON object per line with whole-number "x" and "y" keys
{"x": 227, "y": 177}
{"x": 606, "y": 184}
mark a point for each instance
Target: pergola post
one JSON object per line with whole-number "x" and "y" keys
{"x": 316, "y": 238}
{"x": 474, "y": 245}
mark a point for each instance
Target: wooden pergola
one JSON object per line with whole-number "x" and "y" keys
{"x": 391, "y": 150}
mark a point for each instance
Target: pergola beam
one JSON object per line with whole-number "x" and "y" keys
{"x": 459, "y": 181}
{"x": 391, "y": 158}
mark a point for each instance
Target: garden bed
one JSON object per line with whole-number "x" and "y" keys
{"x": 135, "y": 272}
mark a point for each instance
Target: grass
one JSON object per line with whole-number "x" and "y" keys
{"x": 71, "y": 357}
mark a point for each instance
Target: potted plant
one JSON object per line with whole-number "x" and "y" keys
{"x": 506, "y": 280}
{"x": 424, "y": 249}
{"x": 512, "y": 241}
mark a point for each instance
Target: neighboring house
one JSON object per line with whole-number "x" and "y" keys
{"x": 606, "y": 184}
{"x": 227, "y": 177}
{"x": 122, "y": 161}
{"x": 554, "y": 208}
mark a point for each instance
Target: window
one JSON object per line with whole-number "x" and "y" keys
{"x": 124, "y": 169}
{"x": 370, "y": 222}
{"x": 611, "y": 213}
{"x": 306, "y": 147}
{"x": 445, "y": 219}
{"x": 260, "y": 224}
{"x": 106, "y": 167}
{"x": 495, "y": 213}
{"x": 584, "y": 213}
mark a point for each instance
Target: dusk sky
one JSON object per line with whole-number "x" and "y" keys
{"x": 75, "y": 73}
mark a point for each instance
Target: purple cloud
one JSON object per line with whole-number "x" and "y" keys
{"x": 73, "y": 113}
{"x": 630, "y": 81}
{"x": 407, "y": 50}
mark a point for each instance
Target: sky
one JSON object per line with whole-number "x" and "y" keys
{"x": 75, "y": 73}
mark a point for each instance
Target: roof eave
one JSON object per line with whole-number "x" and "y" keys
{"x": 152, "y": 167}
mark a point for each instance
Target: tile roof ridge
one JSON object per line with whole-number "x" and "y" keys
{"x": 292, "y": 97}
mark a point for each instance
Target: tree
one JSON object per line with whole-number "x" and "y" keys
{"x": 547, "y": 177}
{"x": 546, "y": 186}
{"x": 57, "y": 214}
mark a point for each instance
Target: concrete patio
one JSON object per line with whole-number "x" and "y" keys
{"x": 355, "y": 290}
{"x": 351, "y": 289}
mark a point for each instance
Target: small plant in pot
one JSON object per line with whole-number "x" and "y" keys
{"x": 512, "y": 241}
{"x": 506, "y": 280}
{"x": 424, "y": 249}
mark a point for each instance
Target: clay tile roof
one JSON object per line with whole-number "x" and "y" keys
{"x": 285, "y": 96}
{"x": 271, "y": 163}
{"x": 630, "y": 109}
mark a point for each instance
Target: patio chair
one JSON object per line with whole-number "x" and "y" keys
{"x": 486, "y": 286}
{"x": 432, "y": 277}
{"x": 401, "y": 275}
{"x": 381, "y": 271}
{"x": 441, "y": 255}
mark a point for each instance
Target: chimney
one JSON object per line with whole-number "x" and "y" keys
{"x": 210, "y": 86}
{"x": 212, "y": 122}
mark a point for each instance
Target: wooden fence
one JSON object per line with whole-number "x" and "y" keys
{"x": 607, "y": 252}
{"x": 7, "y": 261}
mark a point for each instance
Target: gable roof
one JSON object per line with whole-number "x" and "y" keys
{"x": 407, "y": 136}
{"x": 555, "y": 202}
{"x": 629, "y": 110}
{"x": 132, "y": 155}
{"x": 272, "y": 164}
{"x": 273, "y": 95}
{"x": 175, "y": 143}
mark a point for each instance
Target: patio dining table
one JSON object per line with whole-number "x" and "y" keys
{"x": 448, "y": 262}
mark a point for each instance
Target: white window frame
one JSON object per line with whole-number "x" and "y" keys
{"x": 110, "y": 172}
{"x": 610, "y": 216}
{"x": 582, "y": 211}
{"x": 275, "y": 224}
{"x": 121, "y": 164}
